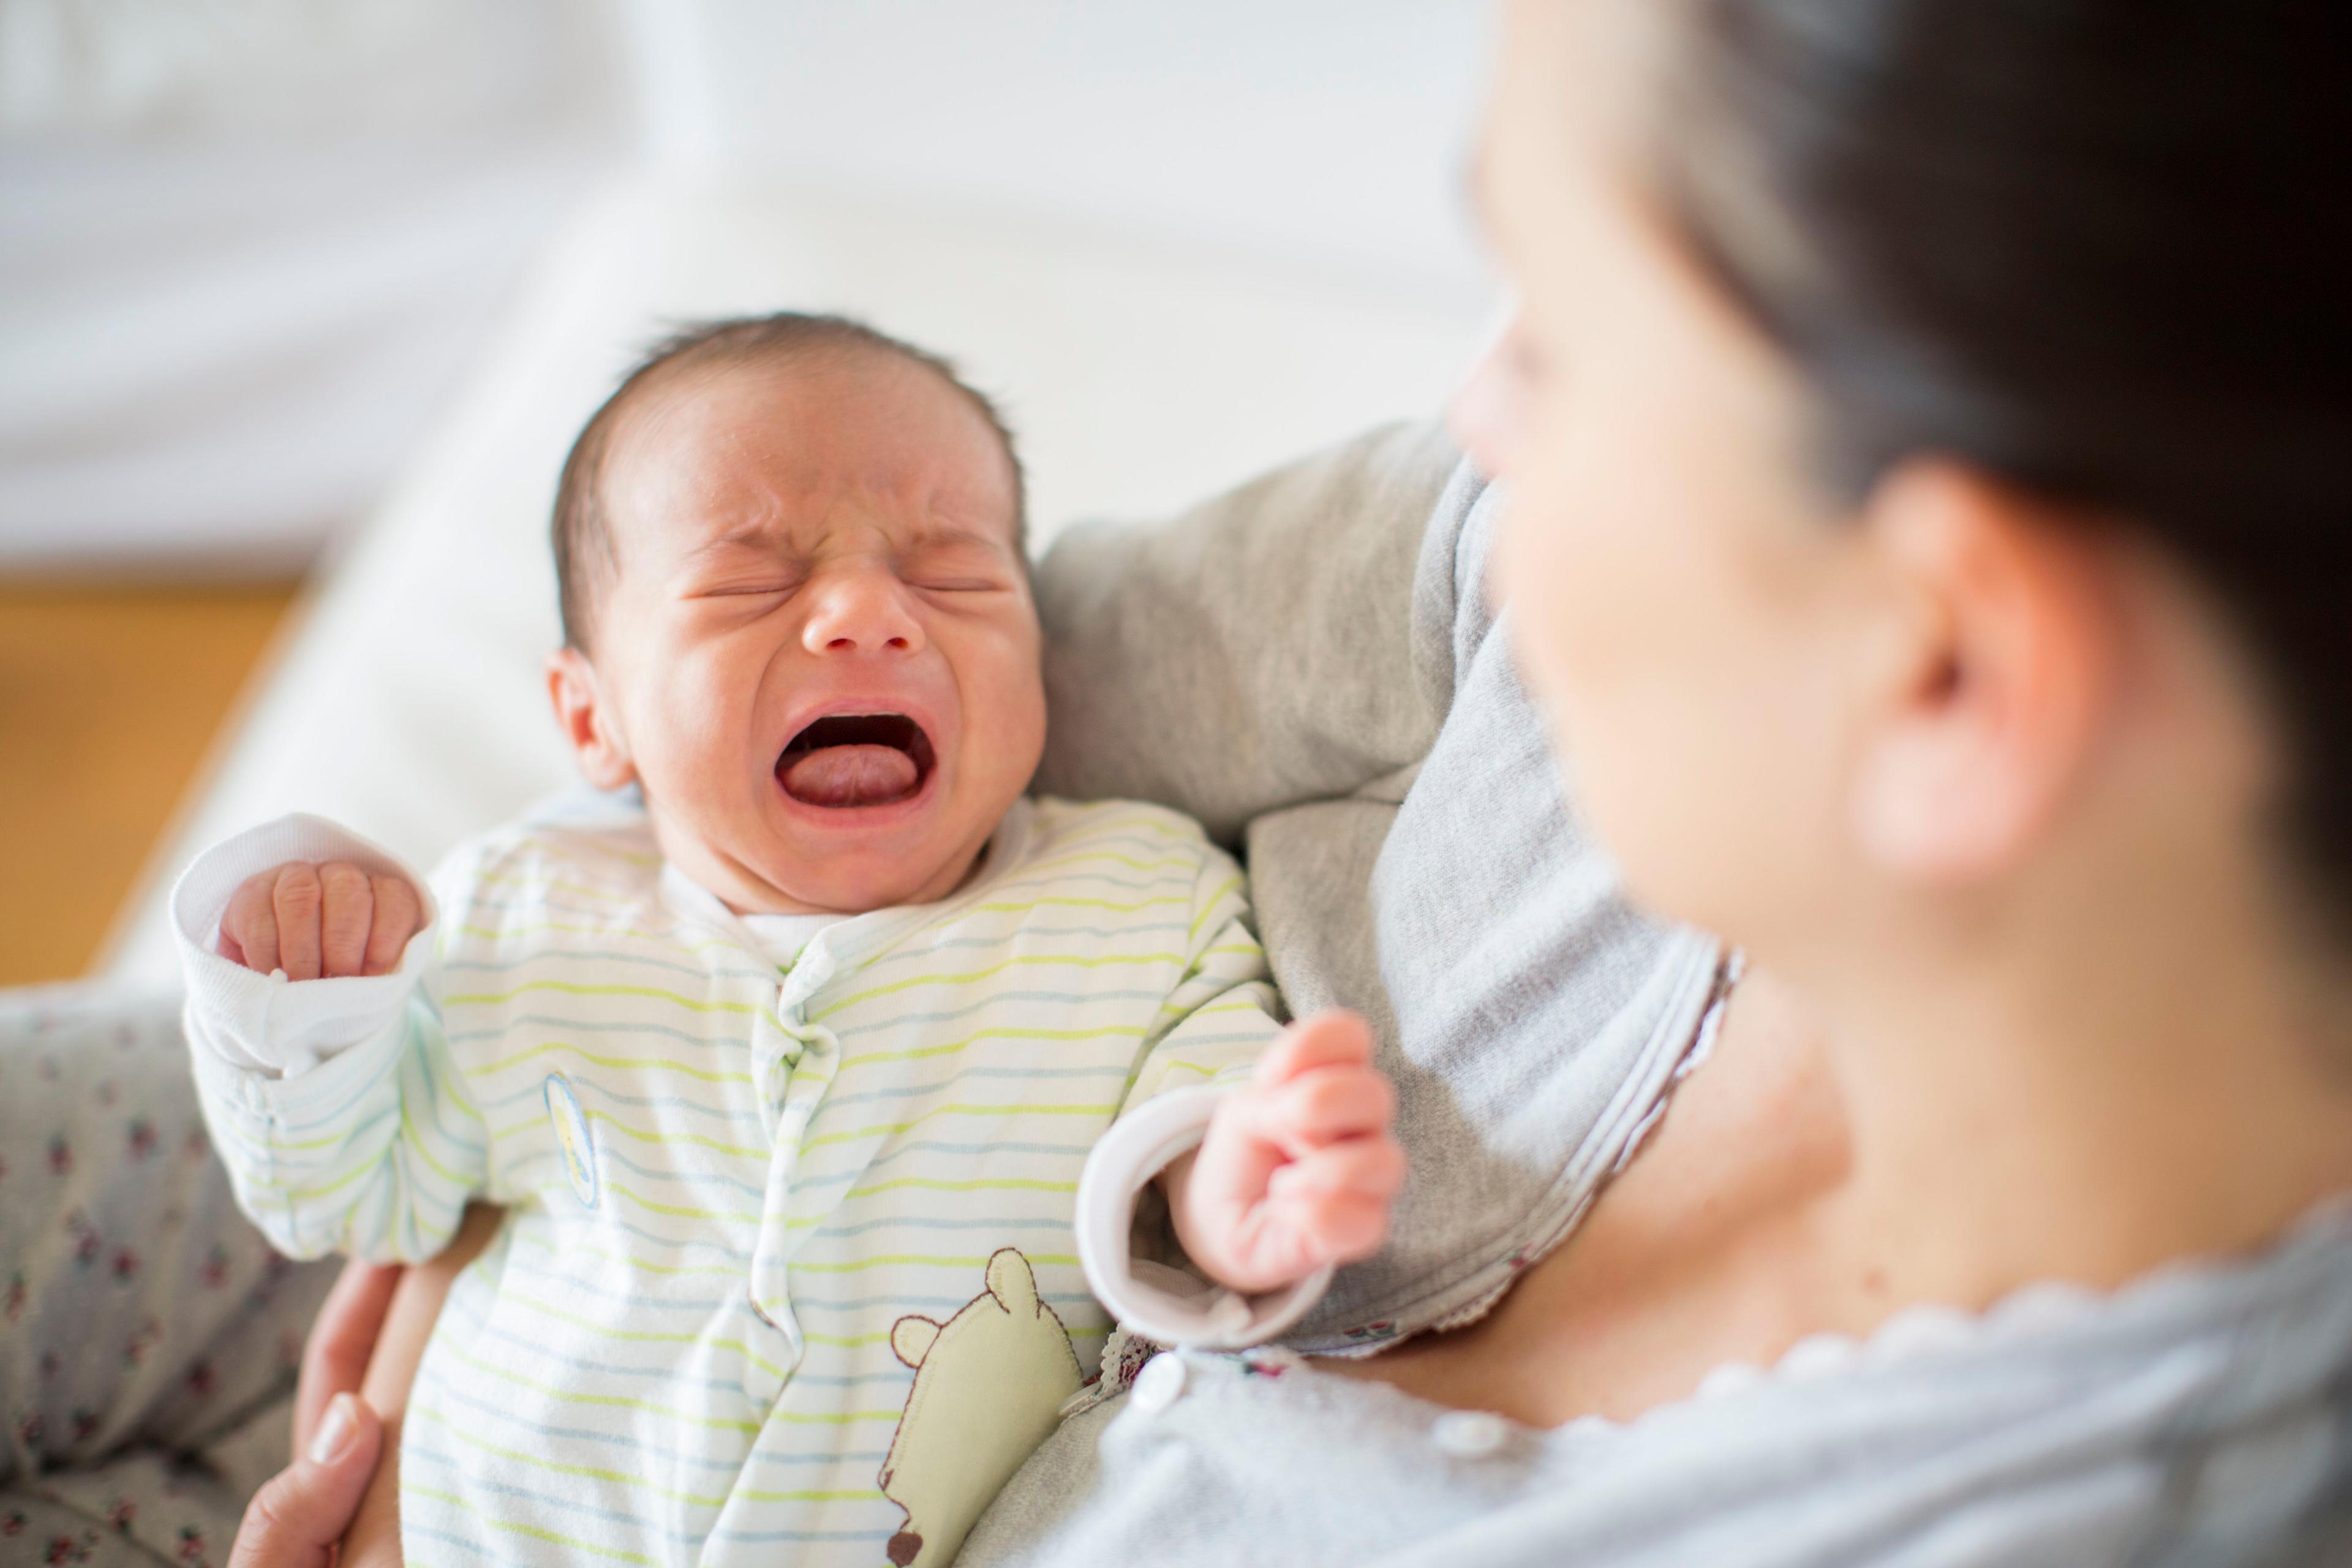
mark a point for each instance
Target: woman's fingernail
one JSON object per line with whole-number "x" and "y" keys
{"x": 336, "y": 1429}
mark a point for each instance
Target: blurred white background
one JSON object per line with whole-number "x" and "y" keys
{"x": 248, "y": 246}
{"x": 323, "y": 288}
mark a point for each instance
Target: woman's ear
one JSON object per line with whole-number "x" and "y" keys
{"x": 588, "y": 721}
{"x": 1998, "y": 675}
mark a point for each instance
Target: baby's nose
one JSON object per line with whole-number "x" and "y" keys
{"x": 866, "y": 612}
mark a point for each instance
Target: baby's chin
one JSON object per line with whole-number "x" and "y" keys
{"x": 855, "y": 882}
{"x": 780, "y": 870}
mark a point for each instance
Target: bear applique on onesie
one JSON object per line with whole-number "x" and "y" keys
{"x": 989, "y": 1384}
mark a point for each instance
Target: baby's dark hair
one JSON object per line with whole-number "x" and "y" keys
{"x": 581, "y": 532}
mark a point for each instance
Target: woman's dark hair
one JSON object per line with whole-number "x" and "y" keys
{"x": 2101, "y": 249}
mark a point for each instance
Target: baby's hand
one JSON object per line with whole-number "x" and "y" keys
{"x": 312, "y": 920}
{"x": 1298, "y": 1168}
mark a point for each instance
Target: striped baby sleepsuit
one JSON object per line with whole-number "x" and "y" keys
{"x": 788, "y": 1273}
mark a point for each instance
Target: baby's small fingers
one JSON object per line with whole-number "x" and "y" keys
{"x": 249, "y": 926}
{"x": 397, "y": 917}
{"x": 1336, "y": 1227}
{"x": 1332, "y": 1037}
{"x": 346, "y": 910}
{"x": 296, "y": 902}
{"x": 1374, "y": 1167}
{"x": 1331, "y": 1103}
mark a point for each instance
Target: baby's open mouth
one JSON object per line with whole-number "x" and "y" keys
{"x": 856, "y": 759}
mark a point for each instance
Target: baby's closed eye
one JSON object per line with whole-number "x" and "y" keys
{"x": 768, "y": 586}
{"x": 959, "y": 584}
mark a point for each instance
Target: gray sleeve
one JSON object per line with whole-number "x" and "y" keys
{"x": 1310, "y": 665}
{"x": 1255, "y": 653}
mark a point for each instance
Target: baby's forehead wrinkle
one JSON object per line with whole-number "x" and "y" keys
{"x": 742, "y": 482}
{"x": 808, "y": 521}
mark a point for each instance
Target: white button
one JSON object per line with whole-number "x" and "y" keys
{"x": 1469, "y": 1434}
{"x": 1159, "y": 1385}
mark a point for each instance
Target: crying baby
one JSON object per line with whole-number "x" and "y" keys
{"x": 785, "y": 1076}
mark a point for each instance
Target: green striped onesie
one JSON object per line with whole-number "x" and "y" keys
{"x": 788, "y": 1272}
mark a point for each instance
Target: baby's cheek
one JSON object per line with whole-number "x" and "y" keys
{"x": 701, "y": 723}
{"x": 1002, "y": 687}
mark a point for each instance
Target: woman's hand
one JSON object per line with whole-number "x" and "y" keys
{"x": 362, "y": 1358}
{"x": 342, "y": 1337}
{"x": 298, "y": 1517}
{"x": 1298, "y": 1167}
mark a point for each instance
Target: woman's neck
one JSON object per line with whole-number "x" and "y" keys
{"x": 1820, "y": 1179}
{"x": 2114, "y": 1094}
{"x": 2090, "y": 1087}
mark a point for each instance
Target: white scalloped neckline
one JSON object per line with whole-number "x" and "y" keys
{"x": 1930, "y": 1328}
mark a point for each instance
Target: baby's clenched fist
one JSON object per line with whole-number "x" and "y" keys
{"x": 1298, "y": 1167}
{"x": 321, "y": 920}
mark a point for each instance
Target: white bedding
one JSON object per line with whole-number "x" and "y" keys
{"x": 408, "y": 702}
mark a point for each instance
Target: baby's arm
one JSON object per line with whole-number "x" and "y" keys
{"x": 1271, "y": 1145}
{"x": 322, "y": 1067}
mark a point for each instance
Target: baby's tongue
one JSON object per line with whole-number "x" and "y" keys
{"x": 850, "y": 775}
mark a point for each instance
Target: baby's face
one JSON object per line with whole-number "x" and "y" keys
{"x": 817, "y": 650}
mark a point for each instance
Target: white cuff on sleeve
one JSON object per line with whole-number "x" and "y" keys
{"x": 266, "y": 1022}
{"x": 1170, "y": 1305}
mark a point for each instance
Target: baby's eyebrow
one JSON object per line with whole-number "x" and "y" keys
{"x": 769, "y": 535}
{"x": 756, "y": 535}
{"x": 955, "y": 533}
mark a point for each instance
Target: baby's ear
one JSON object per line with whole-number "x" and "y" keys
{"x": 588, "y": 721}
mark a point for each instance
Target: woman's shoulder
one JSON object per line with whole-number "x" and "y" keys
{"x": 1263, "y": 649}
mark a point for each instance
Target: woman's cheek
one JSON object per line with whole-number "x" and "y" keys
{"x": 1486, "y": 416}
{"x": 1533, "y": 573}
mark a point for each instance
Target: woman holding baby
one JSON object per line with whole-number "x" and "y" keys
{"x": 1926, "y": 534}
{"x": 1925, "y": 428}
